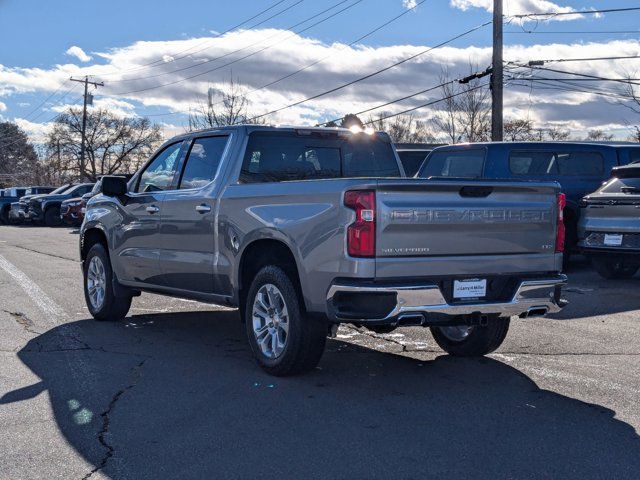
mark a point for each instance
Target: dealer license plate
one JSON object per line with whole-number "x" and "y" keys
{"x": 612, "y": 240}
{"x": 472, "y": 288}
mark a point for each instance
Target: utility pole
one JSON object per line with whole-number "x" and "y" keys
{"x": 88, "y": 99}
{"x": 497, "y": 127}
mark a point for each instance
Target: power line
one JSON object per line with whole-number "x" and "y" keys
{"x": 596, "y": 77}
{"x": 209, "y": 60}
{"x": 392, "y": 101}
{"x": 582, "y": 12}
{"x": 373, "y": 74}
{"x": 576, "y": 32}
{"x": 306, "y": 67}
{"x": 433, "y": 102}
{"x": 182, "y": 53}
{"x": 586, "y": 59}
{"x": 251, "y": 54}
{"x": 547, "y": 86}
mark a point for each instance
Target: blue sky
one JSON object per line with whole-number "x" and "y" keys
{"x": 39, "y": 33}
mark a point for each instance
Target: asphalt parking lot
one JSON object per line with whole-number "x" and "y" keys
{"x": 173, "y": 391}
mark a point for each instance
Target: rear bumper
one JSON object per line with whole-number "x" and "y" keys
{"x": 425, "y": 303}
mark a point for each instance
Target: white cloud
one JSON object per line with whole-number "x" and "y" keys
{"x": 122, "y": 73}
{"x": 409, "y": 3}
{"x": 3, "y": 107}
{"x": 517, "y": 7}
{"x": 37, "y": 131}
{"x": 78, "y": 53}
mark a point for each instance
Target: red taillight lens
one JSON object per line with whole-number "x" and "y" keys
{"x": 560, "y": 233}
{"x": 361, "y": 234}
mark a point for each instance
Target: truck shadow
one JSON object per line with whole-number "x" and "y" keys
{"x": 177, "y": 395}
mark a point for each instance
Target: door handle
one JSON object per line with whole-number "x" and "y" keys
{"x": 152, "y": 209}
{"x": 203, "y": 208}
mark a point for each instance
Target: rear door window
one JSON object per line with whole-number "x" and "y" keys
{"x": 203, "y": 161}
{"x": 454, "y": 163}
{"x": 542, "y": 163}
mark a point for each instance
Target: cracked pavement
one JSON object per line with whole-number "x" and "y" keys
{"x": 173, "y": 391}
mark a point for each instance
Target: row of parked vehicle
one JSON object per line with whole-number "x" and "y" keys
{"x": 44, "y": 205}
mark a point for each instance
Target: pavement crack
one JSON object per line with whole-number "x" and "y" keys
{"x": 25, "y": 322}
{"x": 106, "y": 421}
{"x": 44, "y": 253}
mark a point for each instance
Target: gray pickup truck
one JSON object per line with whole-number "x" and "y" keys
{"x": 306, "y": 228}
{"x": 609, "y": 230}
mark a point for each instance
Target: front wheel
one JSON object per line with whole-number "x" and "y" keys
{"x": 611, "y": 268}
{"x": 101, "y": 300}
{"x": 472, "y": 340}
{"x": 52, "y": 217}
{"x": 284, "y": 341}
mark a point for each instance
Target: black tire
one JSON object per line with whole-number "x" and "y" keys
{"x": 306, "y": 336}
{"x": 52, "y": 217}
{"x": 4, "y": 216}
{"x": 111, "y": 308}
{"x": 482, "y": 340}
{"x": 614, "y": 269}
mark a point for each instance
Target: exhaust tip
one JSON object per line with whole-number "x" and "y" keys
{"x": 411, "y": 320}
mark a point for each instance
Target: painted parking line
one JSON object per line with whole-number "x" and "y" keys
{"x": 54, "y": 313}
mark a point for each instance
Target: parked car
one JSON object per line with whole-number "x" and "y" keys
{"x": 17, "y": 213}
{"x": 9, "y": 195}
{"x": 413, "y": 154}
{"x": 72, "y": 210}
{"x": 609, "y": 227}
{"x": 303, "y": 229}
{"x": 46, "y": 208}
{"x": 580, "y": 168}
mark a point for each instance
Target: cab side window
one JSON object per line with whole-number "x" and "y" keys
{"x": 160, "y": 172}
{"x": 203, "y": 161}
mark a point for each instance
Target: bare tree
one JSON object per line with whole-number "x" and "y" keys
{"x": 556, "y": 133}
{"x": 18, "y": 158}
{"x": 226, "y": 106}
{"x": 635, "y": 134}
{"x": 113, "y": 143}
{"x": 598, "y": 135}
{"x": 446, "y": 120}
{"x": 465, "y": 111}
{"x": 404, "y": 128}
{"x": 520, "y": 130}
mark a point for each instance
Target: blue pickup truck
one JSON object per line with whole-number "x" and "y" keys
{"x": 579, "y": 168}
{"x": 7, "y": 196}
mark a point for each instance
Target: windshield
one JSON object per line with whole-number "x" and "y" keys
{"x": 62, "y": 189}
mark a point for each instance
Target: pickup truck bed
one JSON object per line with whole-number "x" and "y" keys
{"x": 300, "y": 224}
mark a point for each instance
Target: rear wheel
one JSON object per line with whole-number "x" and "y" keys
{"x": 612, "y": 268}
{"x": 52, "y": 217}
{"x": 284, "y": 340}
{"x": 472, "y": 340}
{"x": 101, "y": 300}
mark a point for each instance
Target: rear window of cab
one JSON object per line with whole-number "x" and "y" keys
{"x": 465, "y": 163}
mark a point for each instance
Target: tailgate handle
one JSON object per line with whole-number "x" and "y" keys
{"x": 475, "y": 192}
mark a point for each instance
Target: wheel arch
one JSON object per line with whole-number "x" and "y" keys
{"x": 260, "y": 253}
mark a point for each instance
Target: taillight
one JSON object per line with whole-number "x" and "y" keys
{"x": 361, "y": 234}
{"x": 560, "y": 232}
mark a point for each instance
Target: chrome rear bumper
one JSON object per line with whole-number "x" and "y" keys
{"x": 533, "y": 297}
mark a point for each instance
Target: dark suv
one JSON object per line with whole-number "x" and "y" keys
{"x": 579, "y": 168}
{"x": 46, "y": 208}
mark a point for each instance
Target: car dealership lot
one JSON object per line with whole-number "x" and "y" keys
{"x": 173, "y": 391}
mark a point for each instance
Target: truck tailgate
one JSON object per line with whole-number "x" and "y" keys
{"x": 438, "y": 218}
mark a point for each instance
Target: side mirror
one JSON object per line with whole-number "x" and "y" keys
{"x": 114, "y": 186}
